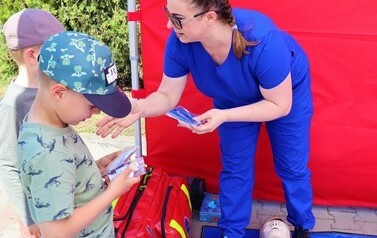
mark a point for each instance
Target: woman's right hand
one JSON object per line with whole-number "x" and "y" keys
{"x": 115, "y": 126}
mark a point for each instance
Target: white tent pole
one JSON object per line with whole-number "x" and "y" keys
{"x": 134, "y": 59}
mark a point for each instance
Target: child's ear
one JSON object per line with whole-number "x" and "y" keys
{"x": 58, "y": 91}
{"x": 31, "y": 55}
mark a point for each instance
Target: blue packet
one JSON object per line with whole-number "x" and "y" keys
{"x": 183, "y": 116}
{"x": 124, "y": 160}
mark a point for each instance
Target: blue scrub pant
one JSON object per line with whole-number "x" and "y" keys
{"x": 238, "y": 144}
{"x": 289, "y": 137}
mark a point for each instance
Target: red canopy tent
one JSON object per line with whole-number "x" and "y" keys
{"x": 340, "y": 38}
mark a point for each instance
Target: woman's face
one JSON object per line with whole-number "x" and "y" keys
{"x": 275, "y": 228}
{"x": 186, "y": 22}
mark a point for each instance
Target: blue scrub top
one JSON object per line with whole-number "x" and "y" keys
{"x": 236, "y": 82}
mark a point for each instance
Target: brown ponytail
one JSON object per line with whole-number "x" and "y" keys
{"x": 240, "y": 43}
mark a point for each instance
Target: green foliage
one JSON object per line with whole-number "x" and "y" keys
{"x": 105, "y": 20}
{"x": 7, "y": 66}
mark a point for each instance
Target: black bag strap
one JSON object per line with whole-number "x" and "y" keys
{"x": 164, "y": 209}
{"x": 135, "y": 199}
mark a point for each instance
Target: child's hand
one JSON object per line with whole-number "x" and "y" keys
{"x": 122, "y": 183}
{"x": 31, "y": 231}
{"x": 106, "y": 160}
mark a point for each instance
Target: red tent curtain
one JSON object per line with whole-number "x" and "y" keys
{"x": 340, "y": 38}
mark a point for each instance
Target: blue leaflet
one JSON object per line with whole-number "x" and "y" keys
{"x": 125, "y": 159}
{"x": 183, "y": 116}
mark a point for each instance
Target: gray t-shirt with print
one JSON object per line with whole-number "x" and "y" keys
{"x": 14, "y": 105}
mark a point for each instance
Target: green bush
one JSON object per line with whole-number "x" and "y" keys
{"x": 7, "y": 66}
{"x": 105, "y": 20}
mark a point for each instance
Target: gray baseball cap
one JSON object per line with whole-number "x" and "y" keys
{"x": 30, "y": 27}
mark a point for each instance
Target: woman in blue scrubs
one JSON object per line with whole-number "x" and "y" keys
{"x": 254, "y": 72}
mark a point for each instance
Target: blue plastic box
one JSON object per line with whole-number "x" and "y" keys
{"x": 210, "y": 209}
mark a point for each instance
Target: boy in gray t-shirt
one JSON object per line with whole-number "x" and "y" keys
{"x": 64, "y": 185}
{"x": 24, "y": 32}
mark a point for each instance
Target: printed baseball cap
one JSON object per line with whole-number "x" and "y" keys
{"x": 30, "y": 27}
{"x": 85, "y": 65}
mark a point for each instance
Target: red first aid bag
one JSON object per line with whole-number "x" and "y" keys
{"x": 157, "y": 207}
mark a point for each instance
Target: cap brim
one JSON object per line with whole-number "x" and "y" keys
{"x": 115, "y": 104}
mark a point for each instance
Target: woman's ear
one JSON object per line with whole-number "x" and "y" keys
{"x": 211, "y": 16}
{"x": 58, "y": 91}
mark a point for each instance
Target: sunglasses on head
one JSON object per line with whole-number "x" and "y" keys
{"x": 178, "y": 21}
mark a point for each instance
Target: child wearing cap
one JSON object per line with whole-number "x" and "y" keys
{"x": 24, "y": 32}
{"x": 64, "y": 185}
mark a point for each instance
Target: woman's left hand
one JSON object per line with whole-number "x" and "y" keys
{"x": 210, "y": 121}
